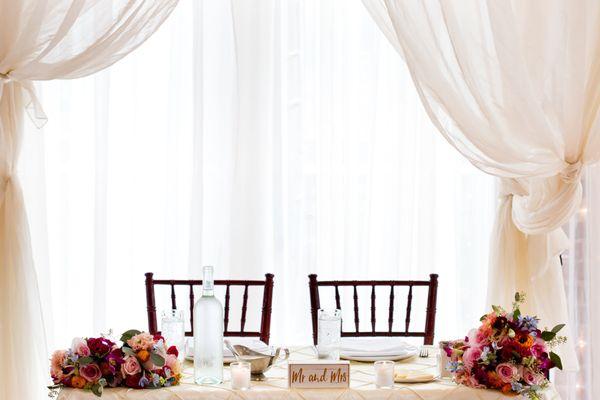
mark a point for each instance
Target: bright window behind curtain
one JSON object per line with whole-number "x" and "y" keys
{"x": 275, "y": 136}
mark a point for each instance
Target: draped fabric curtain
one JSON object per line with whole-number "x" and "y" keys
{"x": 267, "y": 142}
{"x": 41, "y": 41}
{"x": 513, "y": 86}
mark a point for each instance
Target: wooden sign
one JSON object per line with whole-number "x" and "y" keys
{"x": 319, "y": 374}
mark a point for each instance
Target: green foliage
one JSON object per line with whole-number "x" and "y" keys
{"x": 128, "y": 351}
{"x": 129, "y": 334}
{"x": 157, "y": 360}
{"x": 548, "y": 335}
{"x": 556, "y": 360}
{"x": 85, "y": 360}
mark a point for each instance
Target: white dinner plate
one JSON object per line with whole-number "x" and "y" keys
{"x": 413, "y": 377}
{"x": 399, "y": 357}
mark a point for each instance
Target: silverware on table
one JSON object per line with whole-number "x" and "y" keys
{"x": 424, "y": 353}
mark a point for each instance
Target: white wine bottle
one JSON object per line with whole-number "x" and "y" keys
{"x": 208, "y": 334}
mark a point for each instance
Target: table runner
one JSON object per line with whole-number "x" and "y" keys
{"x": 275, "y": 388}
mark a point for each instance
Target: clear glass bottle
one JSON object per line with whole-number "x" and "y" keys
{"x": 208, "y": 334}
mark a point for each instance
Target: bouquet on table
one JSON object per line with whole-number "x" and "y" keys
{"x": 143, "y": 361}
{"x": 507, "y": 352}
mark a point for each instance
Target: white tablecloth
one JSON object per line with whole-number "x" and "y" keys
{"x": 275, "y": 388}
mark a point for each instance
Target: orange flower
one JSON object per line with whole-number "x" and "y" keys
{"x": 78, "y": 382}
{"x": 507, "y": 388}
{"x": 495, "y": 380}
{"x": 143, "y": 355}
{"x": 525, "y": 341}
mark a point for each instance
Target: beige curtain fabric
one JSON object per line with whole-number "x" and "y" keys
{"x": 515, "y": 87}
{"x": 42, "y": 40}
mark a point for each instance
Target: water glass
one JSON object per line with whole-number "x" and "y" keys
{"x": 330, "y": 330}
{"x": 173, "y": 330}
{"x": 240, "y": 375}
{"x": 384, "y": 374}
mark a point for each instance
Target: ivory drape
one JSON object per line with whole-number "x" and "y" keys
{"x": 515, "y": 87}
{"x": 41, "y": 40}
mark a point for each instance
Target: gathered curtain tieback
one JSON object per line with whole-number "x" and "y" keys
{"x": 572, "y": 172}
{"x": 32, "y": 104}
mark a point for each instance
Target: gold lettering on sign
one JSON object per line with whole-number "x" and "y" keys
{"x": 319, "y": 376}
{"x": 298, "y": 376}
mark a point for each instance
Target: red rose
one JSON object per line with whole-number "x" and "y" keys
{"x": 100, "y": 346}
{"x": 173, "y": 350}
{"x": 133, "y": 381}
{"x": 158, "y": 337}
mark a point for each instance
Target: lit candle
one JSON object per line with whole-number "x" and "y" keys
{"x": 384, "y": 374}
{"x": 240, "y": 375}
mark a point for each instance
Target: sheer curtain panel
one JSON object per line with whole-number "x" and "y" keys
{"x": 513, "y": 86}
{"x": 267, "y": 142}
{"x": 43, "y": 40}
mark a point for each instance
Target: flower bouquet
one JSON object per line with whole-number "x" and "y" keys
{"x": 507, "y": 352}
{"x": 143, "y": 361}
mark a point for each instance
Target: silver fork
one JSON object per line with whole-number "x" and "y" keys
{"x": 424, "y": 353}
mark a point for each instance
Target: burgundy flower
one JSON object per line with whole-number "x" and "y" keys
{"x": 173, "y": 350}
{"x": 100, "y": 346}
{"x": 158, "y": 337}
{"x": 133, "y": 381}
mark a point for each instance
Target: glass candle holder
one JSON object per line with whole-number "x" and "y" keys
{"x": 384, "y": 374}
{"x": 240, "y": 375}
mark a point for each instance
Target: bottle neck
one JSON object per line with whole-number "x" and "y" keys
{"x": 208, "y": 284}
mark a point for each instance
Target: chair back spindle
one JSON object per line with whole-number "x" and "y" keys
{"x": 427, "y": 334}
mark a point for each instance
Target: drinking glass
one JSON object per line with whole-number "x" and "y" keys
{"x": 173, "y": 330}
{"x": 330, "y": 330}
{"x": 384, "y": 374}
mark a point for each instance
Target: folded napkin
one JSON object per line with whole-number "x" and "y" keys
{"x": 253, "y": 344}
{"x": 411, "y": 376}
{"x": 375, "y": 347}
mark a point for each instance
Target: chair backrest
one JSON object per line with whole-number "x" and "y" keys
{"x": 427, "y": 334}
{"x": 265, "y": 322}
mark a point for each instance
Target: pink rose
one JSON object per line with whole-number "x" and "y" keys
{"x": 80, "y": 347}
{"x": 470, "y": 357}
{"x": 506, "y": 372}
{"x": 91, "y": 372}
{"x": 173, "y": 364}
{"x": 532, "y": 378}
{"x": 131, "y": 366}
{"x": 56, "y": 364}
{"x": 479, "y": 337}
{"x": 141, "y": 341}
{"x": 538, "y": 348}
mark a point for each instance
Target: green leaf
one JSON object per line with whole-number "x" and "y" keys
{"x": 128, "y": 351}
{"x": 483, "y": 318}
{"x": 557, "y": 328}
{"x": 548, "y": 335}
{"x": 129, "y": 334}
{"x": 97, "y": 389}
{"x": 85, "y": 360}
{"x": 556, "y": 360}
{"x": 157, "y": 360}
{"x": 497, "y": 310}
{"x": 516, "y": 314}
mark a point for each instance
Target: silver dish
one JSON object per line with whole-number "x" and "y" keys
{"x": 259, "y": 362}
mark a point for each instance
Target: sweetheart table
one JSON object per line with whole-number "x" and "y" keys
{"x": 275, "y": 388}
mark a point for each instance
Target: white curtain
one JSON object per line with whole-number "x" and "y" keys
{"x": 42, "y": 41}
{"x": 513, "y": 86}
{"x": 267, "y": 142}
